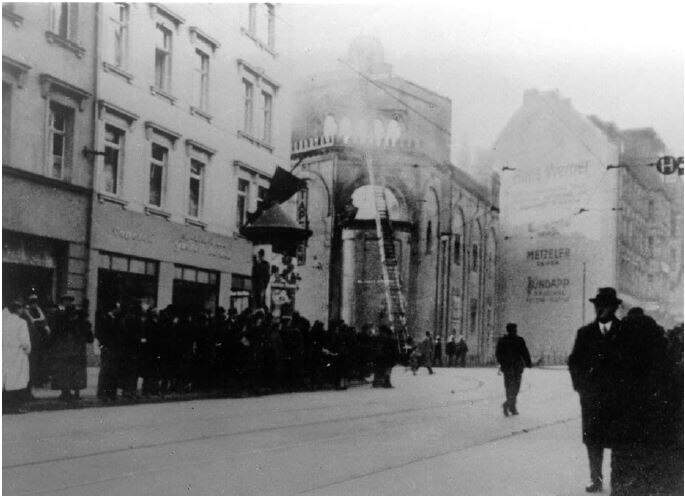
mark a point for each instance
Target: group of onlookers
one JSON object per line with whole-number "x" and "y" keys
{"x": 178, "y": 350}
{"x": 44, "y": 346}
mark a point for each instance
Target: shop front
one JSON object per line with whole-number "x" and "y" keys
{"x": 159, "y": 262}
{"x": 44, "y": 237}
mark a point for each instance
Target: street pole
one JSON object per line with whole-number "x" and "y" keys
{"x": 583, "y": 297}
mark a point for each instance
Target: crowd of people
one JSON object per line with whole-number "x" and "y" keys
{"x": 41, "y": 347}
{"x": 146, "y": 352}
{"x": 177, "y": 350}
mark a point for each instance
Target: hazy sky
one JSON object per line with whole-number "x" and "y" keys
{"x": 622, "y": 61}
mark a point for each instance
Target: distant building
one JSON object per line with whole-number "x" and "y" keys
{"x": 47, "y": 135}
{"x": 571, "y": 225}
{"x": 445, "y": 223}
{"x": 192, "y": 120}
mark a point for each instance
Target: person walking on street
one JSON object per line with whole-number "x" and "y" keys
{"x": 591, "y": 368}
{"x": 16, "y": 347}
{"x": 512, "y": 355}
{"x": 427, "y": 348}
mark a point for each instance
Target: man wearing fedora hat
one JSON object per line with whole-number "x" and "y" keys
{"x": 592, "y": 367}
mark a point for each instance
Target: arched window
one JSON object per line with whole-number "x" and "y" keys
{"x": 394, "y": 131}
{"x": 345, "y": 129}
{"x": 330, "y": 127}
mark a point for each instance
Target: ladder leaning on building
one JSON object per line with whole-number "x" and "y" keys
{"x": 394, "y": 297}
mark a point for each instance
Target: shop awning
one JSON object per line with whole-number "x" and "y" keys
{"x": 275, "y": 227}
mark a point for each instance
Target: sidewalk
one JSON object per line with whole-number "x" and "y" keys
{"x": 46, "y": 399}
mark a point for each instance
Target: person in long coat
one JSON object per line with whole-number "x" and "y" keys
{"x": 427, "y": 347}
{"x": 70, "y": 333}
{"x": 39, "y": 332}
{"x": 512, "y": 355}
{"x": 592, "y": 368}
{"x": 16, "y": 347}
{"x": 646, "y": 455}
{"x": 109, "y": 334}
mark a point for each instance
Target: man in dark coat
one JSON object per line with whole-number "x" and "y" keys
{"x": 70, "y": 333}
{"x": 512, "y": 355}
{"x": 386, "y": 356}
{"x": 592, "y": 368}
{"x": 109, "y": 333}
{"x": 646, "y": 455}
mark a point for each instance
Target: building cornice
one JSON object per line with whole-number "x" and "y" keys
{"x": 47, "y": 181}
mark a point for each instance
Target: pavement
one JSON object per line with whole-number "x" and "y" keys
{"x": 432, "y": 435}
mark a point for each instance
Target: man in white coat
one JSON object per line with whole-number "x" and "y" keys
{"x": 16, "y": 346}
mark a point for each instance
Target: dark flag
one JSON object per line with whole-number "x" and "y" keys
{"x": 284, "y": 185}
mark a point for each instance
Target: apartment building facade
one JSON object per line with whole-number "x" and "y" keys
{"x": 191, "y": 121}
{"x": 47, "y": 130}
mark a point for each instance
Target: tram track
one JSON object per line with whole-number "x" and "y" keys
{"x": 355, "y": 433}
{"x": 261, "y": 430}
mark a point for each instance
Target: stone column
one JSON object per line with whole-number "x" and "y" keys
{"x": 348, "y": 276}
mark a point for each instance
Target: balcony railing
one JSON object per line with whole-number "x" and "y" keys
{"x": 323, "y": 142}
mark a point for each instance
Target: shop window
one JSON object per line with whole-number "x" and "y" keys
{"x": 241, "y": 289}
{"x": 202, "y": 80}
{"x": 64, "y": 19}
{"x": 195, "y": 187}
{"x": 195, "y": 289}
{"x": 158, "y": 165}
{"x": 137, "y": 266}
{"x": 123, "y": 263}
{"x": 163, "y": 58}
{"x": 117, "y": 33}
{"x": 114, "y": 146}
{"x": 60, "y": 140}
{"x": 123, "y": 279}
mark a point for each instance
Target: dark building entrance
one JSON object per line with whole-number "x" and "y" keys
{"x": 126, "y": 280}
{"x": 31, "y": 264}
{"x": 195, "y": 289}
{"x": 18, "y": 281}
